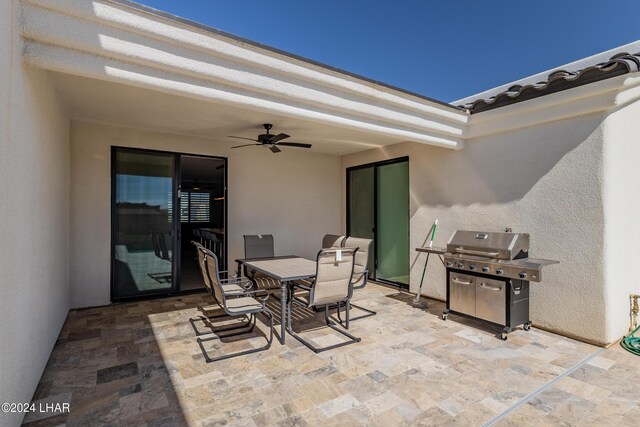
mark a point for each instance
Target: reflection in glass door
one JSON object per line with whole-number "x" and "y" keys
{"x": 361, "y": 209}
{"x": 143, "y": 223}
{"x": 378, "y": 209}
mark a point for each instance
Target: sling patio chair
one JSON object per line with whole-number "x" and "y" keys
{"x": 332, "y": 241}
{"x": 360, "y": 275}
{"x": 260, "y": 246}
{"x": 245, "y": 304}
{"x": 332, "y": 285}
{"x": 232, "y": 287}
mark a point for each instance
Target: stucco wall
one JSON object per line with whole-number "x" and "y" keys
{"x": 544, "y": 180}
{"x": 622, "y": 214}
{"x": 34, "y": 218}
{"x": 294, "y": 195}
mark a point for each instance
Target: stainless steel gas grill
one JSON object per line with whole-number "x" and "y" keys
{"x": 488, "y": 277}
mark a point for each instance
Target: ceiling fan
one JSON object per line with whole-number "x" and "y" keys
{"x": 271, "y": 141}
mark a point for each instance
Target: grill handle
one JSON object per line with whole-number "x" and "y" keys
{"x": 491, "y": 288}
{"x": 462, "y": 282}
{"x": 479, "y": 253}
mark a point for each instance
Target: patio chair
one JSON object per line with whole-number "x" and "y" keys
{"x": 232, "y": 287}
{"x": 328, "y": 241}
{"x": 332, "y": 285}
{"x": 246, "y": 304}
{"x": 360, "y": 275}
{"x": 332, "y": 241}
{"x": 260, "y": 246}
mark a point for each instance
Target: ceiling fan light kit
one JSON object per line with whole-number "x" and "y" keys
{"x": 270, "y": 140}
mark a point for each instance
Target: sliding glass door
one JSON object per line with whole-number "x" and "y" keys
{"x": 378, "y": 208}
{"x": 143, "y": 223}
{"x": 392, "y": 237}
{"x": 161, "y": 202}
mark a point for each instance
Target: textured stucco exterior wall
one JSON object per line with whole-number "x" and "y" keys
{"x": 34, "y": 218}
{"x": 544, "y": 180}
{"x": 622, "y": 214}
{"x": 294, "y": 195}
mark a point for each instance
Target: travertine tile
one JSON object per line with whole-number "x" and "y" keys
{"x": 139, "y": 364}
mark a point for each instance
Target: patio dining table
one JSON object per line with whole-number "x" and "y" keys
{"x": 285, "y": 269}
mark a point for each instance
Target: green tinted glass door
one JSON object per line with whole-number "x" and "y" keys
{"x": 143, "y": 223}
{"x": 392, "y": 240}
{"x": 362, "y": 207}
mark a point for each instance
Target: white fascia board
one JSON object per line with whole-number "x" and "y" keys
{"x": 105, "y": 32}
{"x": 85, "y": 65}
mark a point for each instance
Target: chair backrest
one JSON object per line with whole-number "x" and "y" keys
{"x": 213, "y": 272}
{"x": 258, "y": 246}
{"x": 334, "y": 270}
{"x": 202, "y": 264}
{"x": 197, "y": 233}
{"x": 362, "y": 257}
{"x": 332, "y": 241}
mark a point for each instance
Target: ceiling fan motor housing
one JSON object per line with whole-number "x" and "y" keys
{"x": 264, "y": 138}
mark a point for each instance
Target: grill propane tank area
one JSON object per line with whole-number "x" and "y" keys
{"x": 488, "y": 276}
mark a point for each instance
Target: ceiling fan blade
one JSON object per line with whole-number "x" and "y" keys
{"x": 241, "y": 137}
{"x": 278, "y": 137}
{"x": 295, "y": 144}
{"x": 274, "y": 149}
{"x": 245, "y": 145}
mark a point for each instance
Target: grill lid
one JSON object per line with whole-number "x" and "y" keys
{"x": 489, "y": 244}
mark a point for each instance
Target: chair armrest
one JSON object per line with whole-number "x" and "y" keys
{"x": 243, "y": 282}
{"x": 365, "y": 274}
{"x": 301, "y": 286}
{"x": 263, "y": 299}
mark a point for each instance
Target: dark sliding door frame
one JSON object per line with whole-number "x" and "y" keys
{"x": 375, "y": 166}
{"x": 176, "y": 222}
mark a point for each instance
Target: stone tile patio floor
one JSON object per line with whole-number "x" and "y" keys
{"x": 139, "y": 364}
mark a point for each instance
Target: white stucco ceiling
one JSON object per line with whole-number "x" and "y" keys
{"x": 111, "y": 103}
{"x": 129, "y": 67}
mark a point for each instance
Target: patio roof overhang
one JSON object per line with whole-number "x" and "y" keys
{"x": 126, "y": 65}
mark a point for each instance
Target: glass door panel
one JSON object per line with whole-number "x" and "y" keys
{"x": 392, "y": 247}
{"x": 143, "y": 223}
{"x": 362, "y": 207}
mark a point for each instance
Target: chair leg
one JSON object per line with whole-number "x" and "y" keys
{"x": 330, "y": 324}
{"x": 369, "y": 312}
{"x": 348, "y": 307}
{"x": 240, "y": 353}
{"x": 221, "y": 329}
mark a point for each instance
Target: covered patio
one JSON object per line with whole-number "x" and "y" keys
{"x": 556, "y": 161}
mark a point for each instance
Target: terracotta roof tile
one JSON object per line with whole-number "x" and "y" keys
{"x": 559, "y": 80}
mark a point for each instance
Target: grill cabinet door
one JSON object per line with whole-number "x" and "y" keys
{"x": 462, "y": 293}
{"x": 490, "y": 300}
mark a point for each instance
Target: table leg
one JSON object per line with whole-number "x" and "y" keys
{"x": 283, "y": 310}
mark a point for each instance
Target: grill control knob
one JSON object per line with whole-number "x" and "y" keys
{"x": 449, "y": 264}
{"x": 460, "y": 265}
{"x": 523, "y": 275}
{"x": 473, "y": 267}
{"x": 485, "y": 269}
{"x": 499, "y": 272}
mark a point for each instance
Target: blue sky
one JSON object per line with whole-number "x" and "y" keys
{"x": 443, "y": 49}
